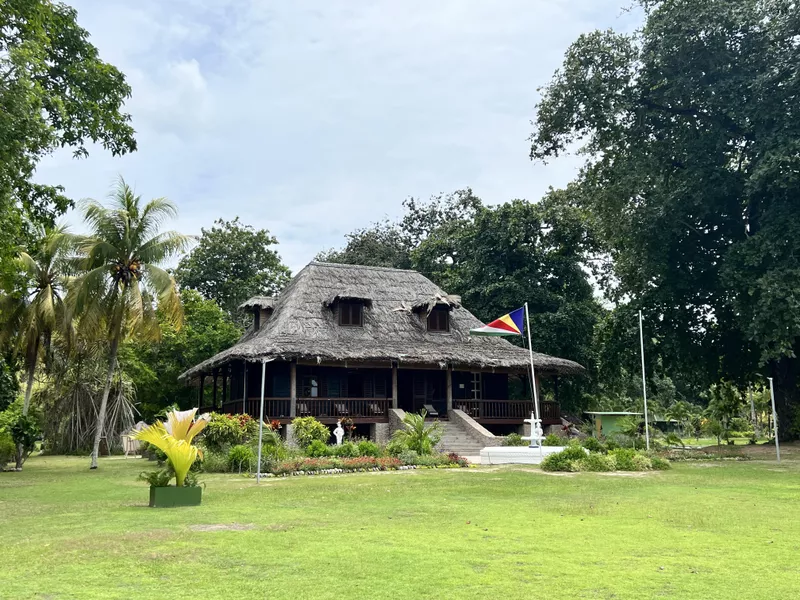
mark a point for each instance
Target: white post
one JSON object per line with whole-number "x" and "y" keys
{"x": 774, "y": 419}
{"x": 644, "y": 385}
{"x": 261, "y": 418}
{"x": 756, "y": 432}
{"x": 533, "y": 372}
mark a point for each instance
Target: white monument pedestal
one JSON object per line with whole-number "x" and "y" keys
{"x": 516, "y": 455}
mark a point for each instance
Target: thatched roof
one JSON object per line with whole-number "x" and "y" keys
{"x": 302, "y": 327}
{"x": 262, "y": 302}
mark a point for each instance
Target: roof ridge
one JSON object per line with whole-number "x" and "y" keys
{"x": 320, "y": 263}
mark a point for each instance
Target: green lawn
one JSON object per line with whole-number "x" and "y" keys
{"x": 702, "y": 530}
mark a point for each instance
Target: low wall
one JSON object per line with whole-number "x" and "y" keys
{"x": 396, "y": 416}
{"x": 474, "y": 430}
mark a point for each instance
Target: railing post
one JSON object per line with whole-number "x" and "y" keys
{"x": 293, "y": 389}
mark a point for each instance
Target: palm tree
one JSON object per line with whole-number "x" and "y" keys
{"x": 416, "y": 436}
{"x": 37, "y": 309}
{"x": 121, "y": 281}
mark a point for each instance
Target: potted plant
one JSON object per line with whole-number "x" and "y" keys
{"x": 175, "y": 440}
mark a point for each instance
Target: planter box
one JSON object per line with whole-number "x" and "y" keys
{"x": 165, "y": 497}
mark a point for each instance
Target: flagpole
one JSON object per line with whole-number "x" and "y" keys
{"x": 261, "y": 418}
{"x": 533, "y": 372}
{"x": 644, "y": 385}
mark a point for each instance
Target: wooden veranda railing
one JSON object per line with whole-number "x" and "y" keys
{"x": 508, "y": 410}
{"x": 324, "y": 409}
{"x": 362, "y": 409}
{"x": 274, "y": 408}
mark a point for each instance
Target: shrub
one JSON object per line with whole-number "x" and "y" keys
{"x": 23, "y": 430}
{"x": 307, "y": 429}
{"x": 313, "y": 465}
{"x": 8, "y": 449}
{"x": 514, "y": 439}
{"x": 346, "y": 450}
{"x": 641, "y": 462}
{"x": 597, "y": 463}
{"x": 558, "y": 462}
{"x": 160, "y": 478}
{"x": 408, "y": 457}
{"x": 224, "y": 431}
{"x": 367, "y": 448}
{"x": 659, "y": 463}
{"x": 455, "y": 459}
{"x": 552, "y": 439}
{"x": 574, "y": 451}
{"x": 629, "y": 459}
{"x": 566, "y": 460}
{"x": 317, "y": 449}
{"x": 395, "y": 448}
{"x": 240, "y": 457}
{"x": 214, "y": 462}
{"x": 594, "y": 445}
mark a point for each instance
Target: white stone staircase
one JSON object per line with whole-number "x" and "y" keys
{"x": 455, "y": 439}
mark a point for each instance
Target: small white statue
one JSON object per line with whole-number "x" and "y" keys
{"x": 338, "y": 433}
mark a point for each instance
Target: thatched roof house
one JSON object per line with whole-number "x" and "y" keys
{"x": 302, "y": 324}
{"x": 366, "y": 339}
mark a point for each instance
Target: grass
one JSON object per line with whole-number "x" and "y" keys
{"x": 701, "y": 530}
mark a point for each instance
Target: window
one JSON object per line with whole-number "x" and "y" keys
{"x": 439, "y": 319}
{"x": 351, "y": 314}
{"x": 476, "y": 387}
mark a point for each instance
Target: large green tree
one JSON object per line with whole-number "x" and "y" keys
{"x": 206, "y": 330}
{"x": 54, "y": 92}
{"x": 691, "y": 135}
{"x": 390, "y": 244}
{"x": 121, "y": 281}
{"x": 233, "y": 262}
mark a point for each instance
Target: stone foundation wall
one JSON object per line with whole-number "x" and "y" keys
{"x": 379, "y": 433}
{"x": 290, "y": 441}
{"x": 396, "y": 416}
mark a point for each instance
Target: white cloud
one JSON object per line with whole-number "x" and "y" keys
{"x": 314, "y": 118}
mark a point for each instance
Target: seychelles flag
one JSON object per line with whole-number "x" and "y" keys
{"x": 510, "y": 324}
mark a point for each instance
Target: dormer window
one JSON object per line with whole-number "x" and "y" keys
{"x": 439, "y": 319}
{"x": 261, "y": 307}
{"x": 351, "y": 314}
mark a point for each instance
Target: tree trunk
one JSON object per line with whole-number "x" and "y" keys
{"x": 787, "y": 398}
{"x": 26, "y": 403}
{"x": 101, "y": 415}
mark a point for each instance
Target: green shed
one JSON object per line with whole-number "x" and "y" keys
{"x": 606, "y": 423}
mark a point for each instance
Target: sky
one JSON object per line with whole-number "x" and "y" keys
{"x": 314, "y": 118}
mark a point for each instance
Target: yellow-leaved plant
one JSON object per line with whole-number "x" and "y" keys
{"x": 175, "y": 440}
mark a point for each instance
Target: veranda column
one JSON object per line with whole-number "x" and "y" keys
{"x": 293, "y": 389}
{"x": 214, "y": 375}
{"x": 200, "y": 390}
{"x": 224, "y": 385}
{"x": 394, "y": 385}
{"x": 449, "y": 388}
{"x": 244, "y": 389}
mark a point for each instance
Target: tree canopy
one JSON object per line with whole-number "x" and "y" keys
{"x": 233, "y": 262}
{"x": 692, "y": 178}
{"x": 55, "y": 92}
